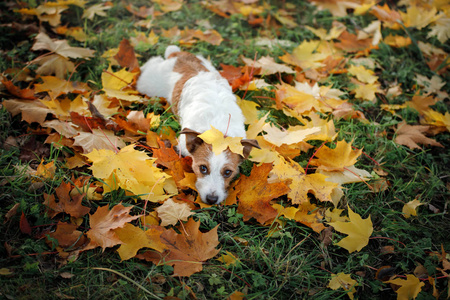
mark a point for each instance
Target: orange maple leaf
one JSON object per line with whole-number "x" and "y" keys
{"x": 186, "y": 251}
{"x": 67, "y": 235}
{"x": 103, "y": 223}
{"x": 65, "y": 203}
{"x": 256, "y": 193}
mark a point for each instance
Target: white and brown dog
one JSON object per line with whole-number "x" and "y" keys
{"x": 201, "y": 98}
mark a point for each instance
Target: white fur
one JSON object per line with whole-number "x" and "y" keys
{"x": 213, "y": 184}
{"x": 157, "y": 78}
{"x": 206, "y": 100}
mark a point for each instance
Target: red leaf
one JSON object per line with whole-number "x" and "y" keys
{"x": 24, "y": 225}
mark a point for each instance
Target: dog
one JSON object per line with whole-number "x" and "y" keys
{"x": 201, "y": 98}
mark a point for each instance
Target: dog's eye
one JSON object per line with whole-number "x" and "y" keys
{"x": 227, "y": 173}
{"x": 203, "y": 169}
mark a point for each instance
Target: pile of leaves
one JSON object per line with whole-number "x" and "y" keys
{"x": 99, "y": 157}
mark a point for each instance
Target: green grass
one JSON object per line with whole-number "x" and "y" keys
{"x": 292, "y": 264}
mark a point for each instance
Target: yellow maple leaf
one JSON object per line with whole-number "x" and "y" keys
{"x": 419, "y": 17}
{"x": 229, "y": 259}
{"x": 220, "y": 143}
{"x": 334, "y": 32}
{"x": 366, "y": 91}
{"x": 115, "y": 83}
{"x": 345, "y": 281}
{"x": 397, "y": 41}
{"x": 335, "y": 215}
{"x": 144, "y": 41}
{"x": 45, "y": 171}
{"x": 435, "y": 118}
{"x": 134, "y": 238}
{"x": 358, "y": 229}
{"x": 131, "y": 170}
{"x": 171, "y": 212}
{"x": 249, "y": 110}
{"x": 308, "y": 55}
{"x": 409, "y": 209}
{"x": 409, "y": 287}
{"x": 336, "y": 159}
{"x": 302, "y": 184}
{"x": 308, "y": 214}
{"x": 363, "y": 74}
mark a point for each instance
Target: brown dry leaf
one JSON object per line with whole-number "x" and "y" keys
{"x": 103, "y": 223}
{"x": 65, "y": 203}
{"x": 32, "y": 111}
{"x": 60, "y": 47}
{"x": 171, "y": 212}
{"x": 98, "y": 139}
{"x": 411, "y": 135}
{"x": 126, "y": 56}
{"x": 422, "y": 103}
{"x": 350, "y": 43}
{"x": 68, "y": 236}
{"x": 187, "y": 250}
{"x": 267, "y": 65}
{"x": 256, "y": 193}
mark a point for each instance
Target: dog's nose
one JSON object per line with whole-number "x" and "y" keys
{"x": 211, "y": 199}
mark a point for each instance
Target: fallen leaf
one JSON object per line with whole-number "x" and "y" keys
{"x": 134, "y": 238}
{"x": 98, "y": 139}
{"x": 131, "y": 170}
{"x": 220, "y": 143}
{"x": 359, "y": 230}
{"x": 345, "y": 281}
{"x": 336, "y": 159}
{"x": 64, "y": 202}
{"x": 409, "y": 287}
{"x": 410, "y": 208}
{"x": 103, "y": 223}
{"x": 68, "y": 236}
{"x": 411, "y": 135}
{"x": 229, "y": 259}
{"x": 256, "y": 193}
{"x": 185, "y": 251}
{"x": 171, "y": 212}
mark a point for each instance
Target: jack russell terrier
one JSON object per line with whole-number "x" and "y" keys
{"x": 201, "y": 98}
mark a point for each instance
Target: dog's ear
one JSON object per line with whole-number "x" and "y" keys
{"x": 192, "y": 139}
{"x": 248, "y": 145}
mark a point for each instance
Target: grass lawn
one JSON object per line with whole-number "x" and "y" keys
{"x": 370, "y": 79}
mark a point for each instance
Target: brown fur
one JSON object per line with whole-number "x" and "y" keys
{"x": 188, "y": 65}
{"x": 200, "y": 157}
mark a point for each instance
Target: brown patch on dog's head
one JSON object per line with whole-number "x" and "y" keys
{"x": 248, "y": 146}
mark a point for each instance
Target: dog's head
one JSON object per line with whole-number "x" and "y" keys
{"x": 214, "y": 172}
